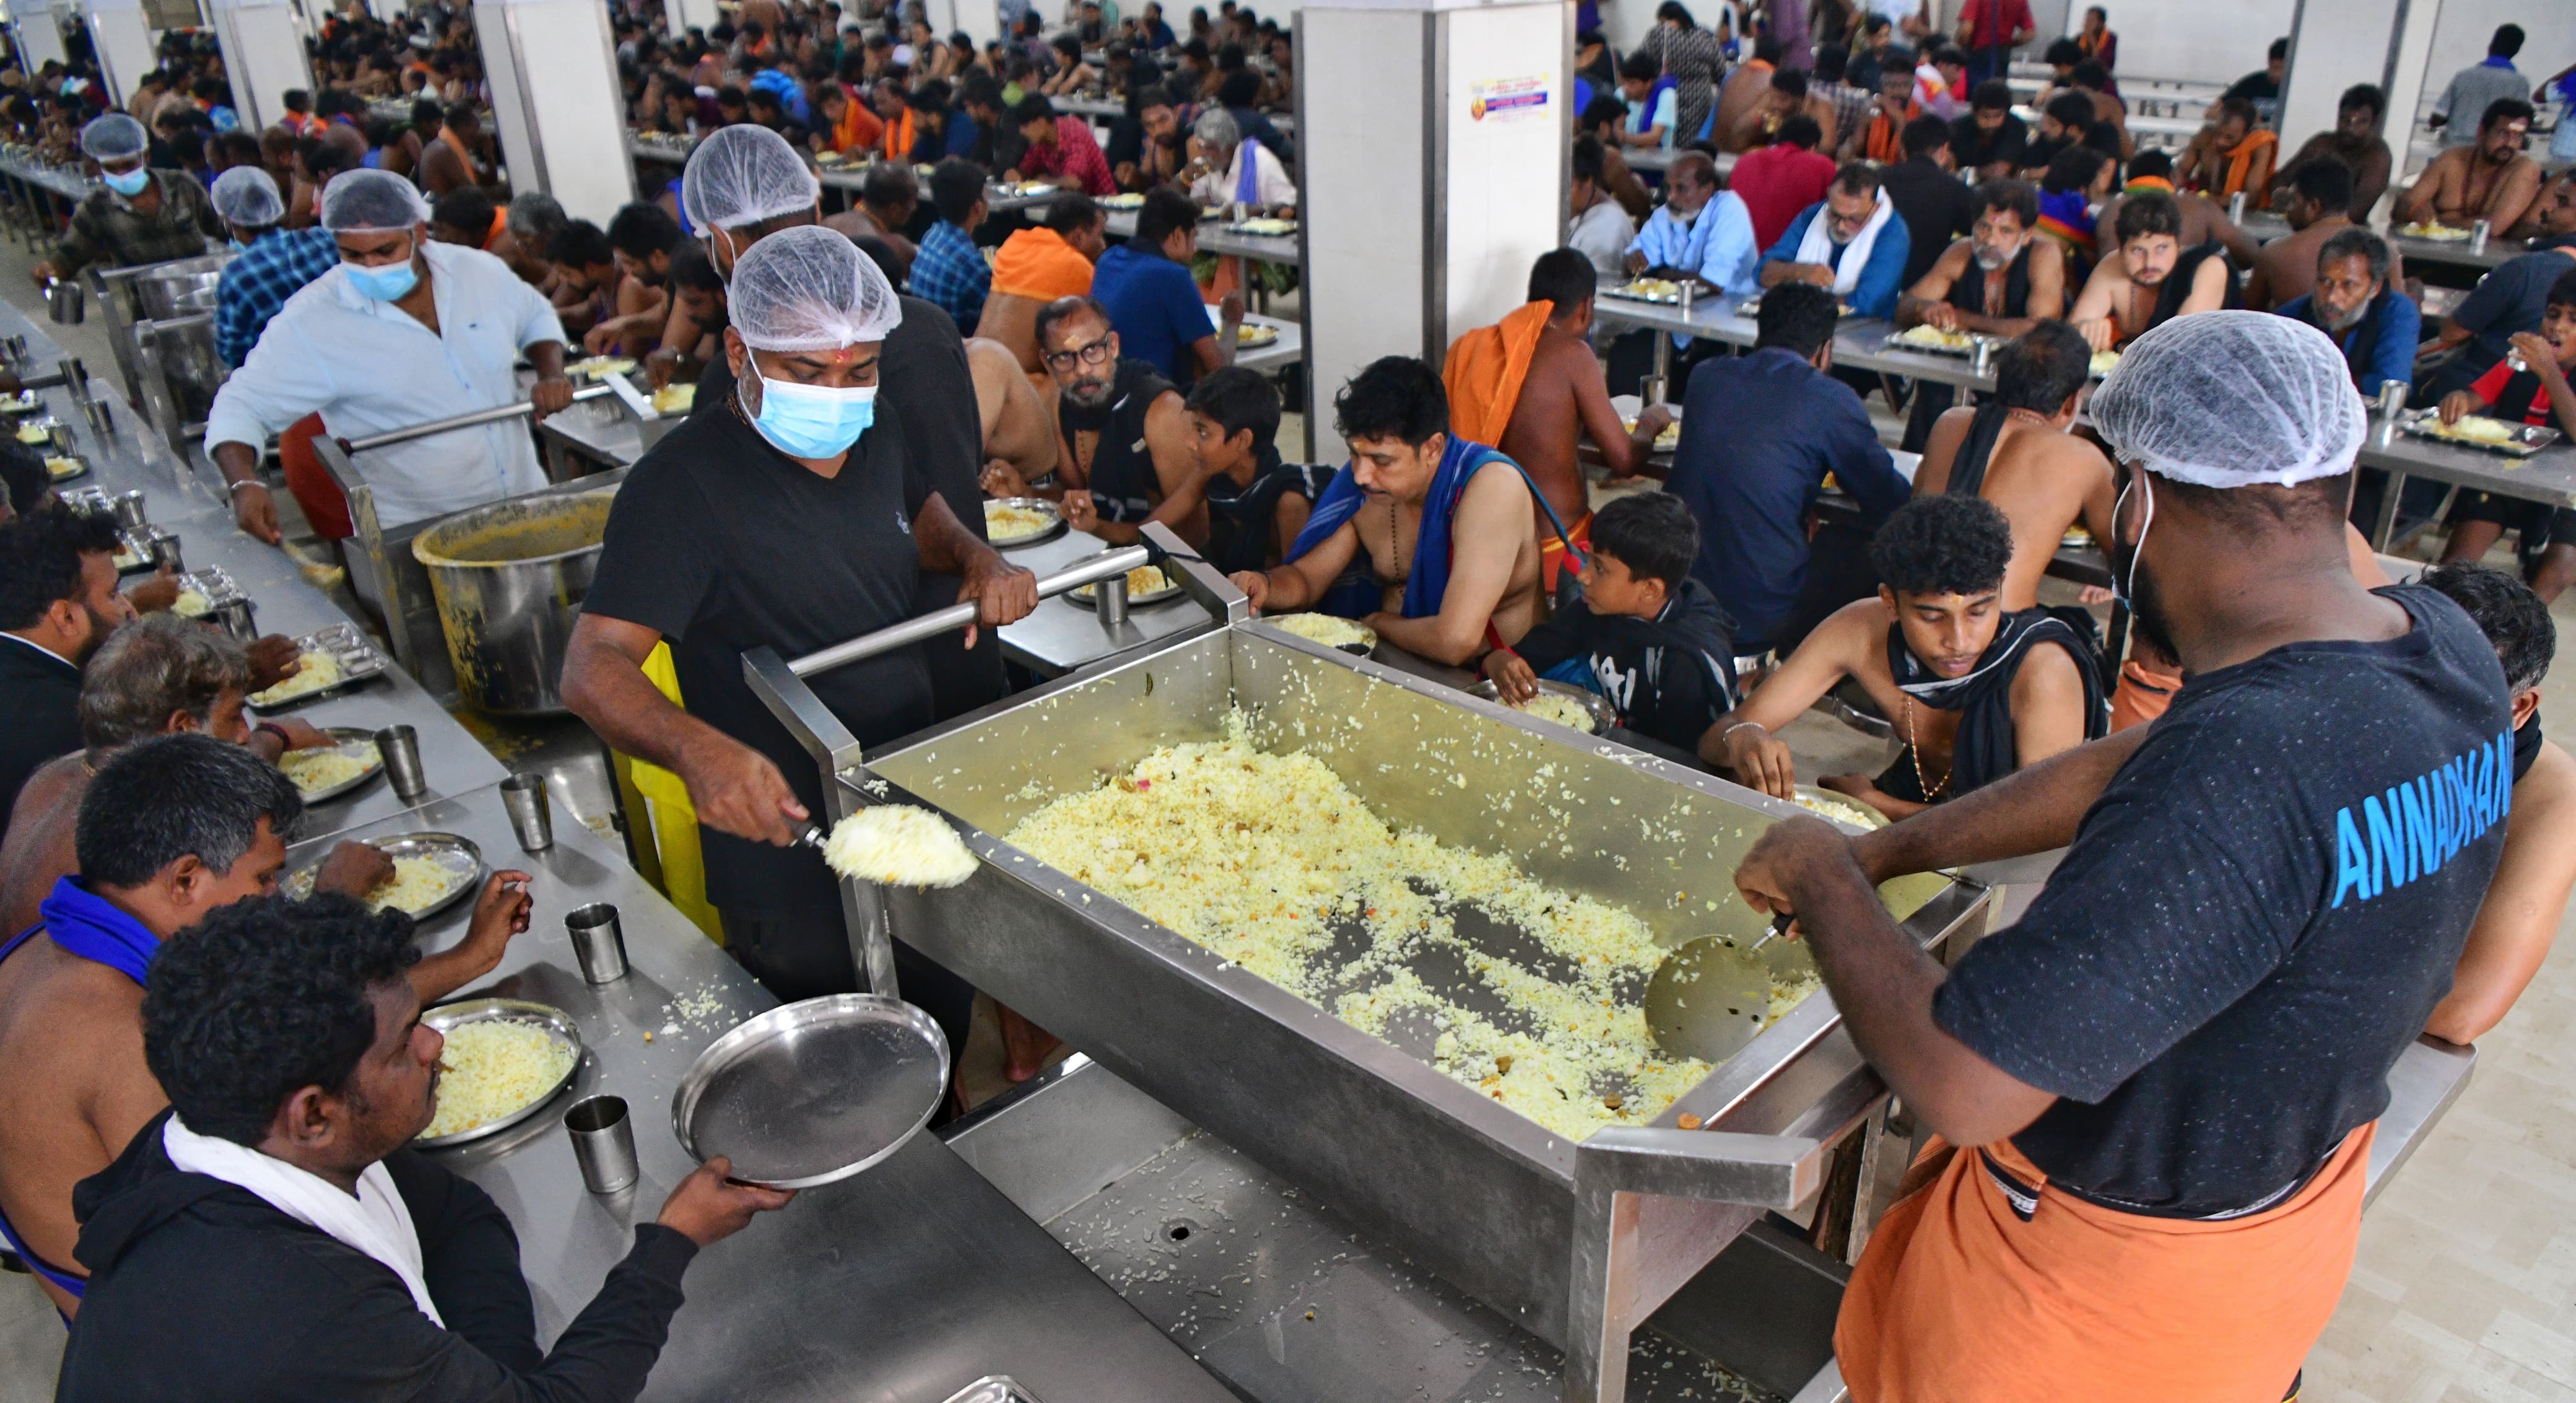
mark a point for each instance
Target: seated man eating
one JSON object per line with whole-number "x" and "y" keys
{"x": 2014, "y": 451}
{"x": 1123, "y": 444}
{"x": 1852, "y": 242}
{"x": 1441, "y": 530}
{"x": 171, "y": 829}
{"x": 1531, "y": 386}
{"x": 2152, "y": 278}
{"x": 272, "y": 1235}
{"x": 1976, "y": 691}
{"x": 2491, "y": 180}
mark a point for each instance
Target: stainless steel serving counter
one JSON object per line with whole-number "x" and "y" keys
{"x": 1063, "y": 635}
{"x": 905, "y": 1283}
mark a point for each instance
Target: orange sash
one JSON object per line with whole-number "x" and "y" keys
{"x": 858, "y": 128}
{"x": 1958, "y": 1300}
{"x": 1038, "y": 263}
{"x": 1551, "y": 551}
{"x": 898, "y": 136}
{"x": 500, "y": 226}
{"x": 1484, "y": 372}
{"x": 1885, "y": 141}
{"x": 2240, "y": 162}
{"x": 463, "y": 152}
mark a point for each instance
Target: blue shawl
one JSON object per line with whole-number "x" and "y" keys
{"x": 85, "y": 924}
{"x": 1428, "y": 582}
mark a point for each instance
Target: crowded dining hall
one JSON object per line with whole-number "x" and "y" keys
{"x": 1008, "y": 701}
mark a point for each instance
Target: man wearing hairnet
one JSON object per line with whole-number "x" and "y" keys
{"x": 744, "y": 183}
{"x": 2155, "y": 1094}
{"x": 402, "y": 331}
{"x": 270, "y": 263}
{"x": 785, "y": 513}
{"x": 138, "y": 215}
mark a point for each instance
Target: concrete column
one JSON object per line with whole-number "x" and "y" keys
{"x": 685, "y": 15}
{"x": 2337, "y": 43}
{"x": 123, "y": 42}
{"x": 263, "y": 48}
{"x": 556, "y": 102}
{"x": 1410, "y": 243}
{"x": 40, "y": 38}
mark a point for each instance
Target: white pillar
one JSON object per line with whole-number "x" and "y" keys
{"x": 263, "y": 50}
{"x": 556, "y": 102}
{"x": 1410, "y": 244}
{"x": 122, "y": 41}
{"x": 685, "y": 15}
{"x": 40, "y": 39}
{"x": 2333, "y": 46}
{"x": 980, "y": 19}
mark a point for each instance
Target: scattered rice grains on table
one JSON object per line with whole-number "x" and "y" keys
{"x": 1255, "y": 855}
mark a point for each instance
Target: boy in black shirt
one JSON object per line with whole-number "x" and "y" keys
{"x": 1645, "y": 634}
{"x": 1255, "y": 503}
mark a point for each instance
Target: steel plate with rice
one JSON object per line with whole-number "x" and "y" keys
{"x": 504, "y": 1060}
{"x": 1011, "y": 523}
{"x": 326, "y": 772}
{"x": 331, "y": 660}
{"x": 814, "y": 1091}
{"x": 432, "y": 871}
{"x": 1331, "y": 630}
{"x": 1560, "y": 702}
{"x": 1146, "y": 584}
{"x": 2481, "y": 432}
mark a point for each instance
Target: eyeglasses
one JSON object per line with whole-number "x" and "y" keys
{"x": 1092, "y": 354}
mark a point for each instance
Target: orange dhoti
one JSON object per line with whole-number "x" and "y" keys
{"x": 1958, "y": 1300}
{"x": 2143, "y": 694}
{"x": 1551, "y": 550}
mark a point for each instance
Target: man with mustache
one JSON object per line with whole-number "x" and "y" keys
{"x": 2355, "y": 300}
{"x": 2152, "y": 278}
{"x": 2355, "y": 141}
{"x": 2001, "y": 280}
{"x": 2319, "y": 205}
{"x": 2491, "y": 179}
{"x": 1123, "y": 439}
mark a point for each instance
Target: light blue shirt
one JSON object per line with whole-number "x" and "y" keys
{"x": 1717, "y": 245}
{"x": 369, "y": 367}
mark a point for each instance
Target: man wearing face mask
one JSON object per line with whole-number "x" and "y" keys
{"x": 270, "y": 264}
{"x": 786, "y": 513}
{"x": 403, "y": 331}
{"x": 139, "y": 216}
{"x": 744, "y": 183}
{"x": 2121, "y": 1136}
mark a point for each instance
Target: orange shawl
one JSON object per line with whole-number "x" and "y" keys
{"x": 859, "y": 127}
{"x": 500, "y": 226}
{"x": 898, "y": 137}
{"x": 1038, "y": 263}
{"x": 464, "y": 153}
{"x": 1484, "y": 372}
{"x": 2240, "y": 162}
{"x": 1884, "y": 140}
{"x": 1957, "y": 1299}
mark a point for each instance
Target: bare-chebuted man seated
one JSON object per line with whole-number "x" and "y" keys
{"x": 1427, "y": 538}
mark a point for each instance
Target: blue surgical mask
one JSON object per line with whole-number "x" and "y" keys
{"x": 391, "y": 282}
{"x": 127, "y": 183}
{"x": 237, "y": 245}
{"x": 813, "y": 421}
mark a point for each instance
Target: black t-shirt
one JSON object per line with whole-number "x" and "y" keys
{"x": 722, "y": 544}
{"x": 2255, "y": 919}
{"x": 2257, "y": 86}
{"x": 1126, "y": 143}
{"x": 1938, "y": 209}
{"x": 1975, "y": 148}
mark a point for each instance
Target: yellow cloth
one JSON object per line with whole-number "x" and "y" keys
{"x": 1039, "y": 264}
{"x": 1485, "y": 369}
{"x": 675, "y": 820}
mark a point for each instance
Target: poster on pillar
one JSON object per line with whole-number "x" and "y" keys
{"x": 1506, "y": 134}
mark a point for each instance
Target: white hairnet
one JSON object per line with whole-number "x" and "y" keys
{"x": 744, "y": 174}
{"x": 114, "y": 137}
{"x": 371, "y": 202}
{"x": 2230, "y": 399}
{"x": 809, "y": 289}
{"x": 245, "y": 195}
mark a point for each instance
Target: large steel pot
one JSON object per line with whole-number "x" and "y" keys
{"x": 509, "y": 580}
{"x": 178, "y": 288}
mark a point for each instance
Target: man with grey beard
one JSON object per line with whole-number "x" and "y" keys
{"x": 2374, "y": 324}
{"x": 2001, "y": 280}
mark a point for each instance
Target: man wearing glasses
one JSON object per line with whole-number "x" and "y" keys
{"x": 1124, "y": 440}
{"x": 1851, "y": 242}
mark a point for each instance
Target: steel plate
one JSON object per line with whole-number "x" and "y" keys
{"x": 1809, "y": 791}
{"x": 557, "y": 1024}
{"x": 994, "y": 1388}
{"x": 347, "y": 736}
{"x": 360, "y": 663}
{"x": 1357, "y": 650}
{"x": 2527, "y": 438}
{"x": 1052, "y": 512}
{"x": 1603, "y": 718}
{"x": 1170, "y": 591}
{"x": 813, "y": 1092}
{"x": 454, "y": 851}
